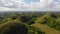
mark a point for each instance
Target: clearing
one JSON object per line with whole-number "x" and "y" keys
{"x": 46, "y": 28}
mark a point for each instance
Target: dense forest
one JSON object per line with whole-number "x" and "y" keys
{"x": 29, "y": 23}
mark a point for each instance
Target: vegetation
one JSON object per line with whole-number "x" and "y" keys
{"x": 18, "y": 23}
{"x": 50, "y": 19}
{"x": 28, "y": 22}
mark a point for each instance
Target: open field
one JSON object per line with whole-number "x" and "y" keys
{"x": 46, "y": 28}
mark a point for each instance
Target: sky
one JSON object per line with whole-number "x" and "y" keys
{"x": 29, "y": 5}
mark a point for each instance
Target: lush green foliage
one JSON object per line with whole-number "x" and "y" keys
{"x": 19, "y": 23}
{"x": 22, "y": 22}
{"x": 51, "y": 19}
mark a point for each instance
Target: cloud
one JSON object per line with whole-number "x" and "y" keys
{"x": 20, "y": 5}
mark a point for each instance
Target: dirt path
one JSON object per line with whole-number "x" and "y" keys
{"x": 46, "y": 28}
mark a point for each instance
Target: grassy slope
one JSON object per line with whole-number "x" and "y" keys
{"x": 46, "y": 28}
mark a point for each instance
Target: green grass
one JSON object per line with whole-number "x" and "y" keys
{"x": 46, "y": 28}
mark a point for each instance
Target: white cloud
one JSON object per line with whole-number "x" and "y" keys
{"x": 33, "y": 6}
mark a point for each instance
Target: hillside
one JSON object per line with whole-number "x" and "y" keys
{"x": 29, "y": 23}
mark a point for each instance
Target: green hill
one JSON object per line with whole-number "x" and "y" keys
{"x": 29, "y": 23}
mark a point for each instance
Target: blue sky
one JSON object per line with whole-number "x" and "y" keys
{"x": 32, "y": 5}
{"x": 29, "y": 1}
{"x": 57, "y": 0}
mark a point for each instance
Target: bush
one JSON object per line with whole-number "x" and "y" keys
{"x": 33, "y": 30}
{"x": 24, "y": 19}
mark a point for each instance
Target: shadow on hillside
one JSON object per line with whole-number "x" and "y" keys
{"x": 15, "y": 29}
{"x": 18, "y": 30}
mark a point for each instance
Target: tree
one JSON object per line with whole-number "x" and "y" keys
{"x": 24, "y": 18}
